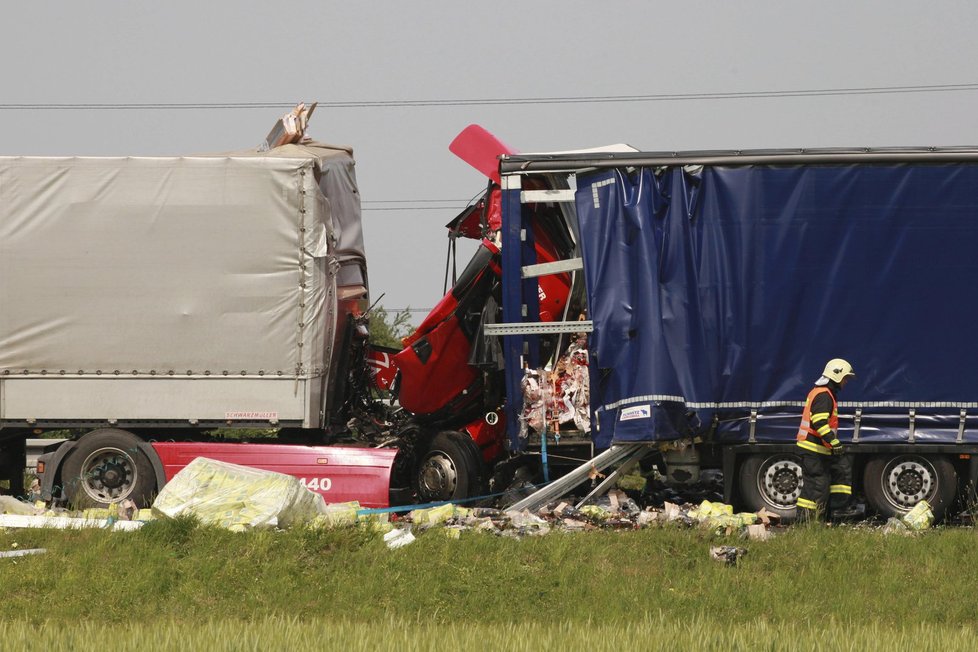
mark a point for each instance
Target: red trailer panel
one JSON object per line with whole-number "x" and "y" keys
{"x": 339, "y": 473}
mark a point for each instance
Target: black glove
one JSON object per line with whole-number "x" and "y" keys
{"x": 838, "y": 449}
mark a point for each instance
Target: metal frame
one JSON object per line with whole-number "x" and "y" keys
{"x": 540, "y": 163}
{"x": 615, "y": 456}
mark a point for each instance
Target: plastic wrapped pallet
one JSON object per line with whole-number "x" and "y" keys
{"x": 237, "y": 497}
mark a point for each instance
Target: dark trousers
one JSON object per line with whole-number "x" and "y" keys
{"x": 826, "y": 484}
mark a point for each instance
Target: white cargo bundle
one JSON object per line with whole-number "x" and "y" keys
{"x": 174, "y": 290}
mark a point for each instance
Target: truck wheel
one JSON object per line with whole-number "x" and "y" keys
{"x": 107, "y": 466}
{"x": 894, "y": 484}
{"x": 450, "y": 468}
{"x": 772, "y": 482}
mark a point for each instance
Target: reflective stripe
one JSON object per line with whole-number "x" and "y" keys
{"x": 813, "y": 447}
{"x": 824, "y": 430}
{"x": 834, "y": 443}
{"x": 804, "y": 503}
{"x": 820, "y": 415}
{"x": 840, "y": 489}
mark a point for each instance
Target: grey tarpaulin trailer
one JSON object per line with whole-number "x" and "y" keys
{"x": 176, "y": 290}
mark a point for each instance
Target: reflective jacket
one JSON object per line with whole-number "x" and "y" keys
{"x": 819, "y": 422}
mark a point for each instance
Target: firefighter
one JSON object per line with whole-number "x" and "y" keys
{"x": 826, "y": 470}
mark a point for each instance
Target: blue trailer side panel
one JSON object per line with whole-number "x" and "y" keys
{"x": 714, "y": 290}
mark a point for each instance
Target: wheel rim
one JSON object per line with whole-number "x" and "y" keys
{"x": 108, "y": 475}
{"x": 779, "y": 481}
{"x": 908, "y": 480}
{"x": 437, "y": 476}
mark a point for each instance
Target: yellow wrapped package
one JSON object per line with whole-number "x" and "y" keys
{"x": 338, "y": 515}
{"x": 742, "y": 519}
{"x": 706, "y": 509}
{"x": 237, "y": 497}
{"x": 435, "y": 515}
{"x": 596, "y": 513}
{"x": 920, "y": 517}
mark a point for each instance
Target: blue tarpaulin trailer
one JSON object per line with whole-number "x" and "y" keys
{"x": 717, "y": 285}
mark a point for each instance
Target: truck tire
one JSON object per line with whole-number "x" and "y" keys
{"x": 108, "y": 466}
{"x": 771, "y": 481}
{"x": 450, "y": 468}
{"x": 895, "y": 483}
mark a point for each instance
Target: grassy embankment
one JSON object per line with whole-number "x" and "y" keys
{"x": 175, "y": 584}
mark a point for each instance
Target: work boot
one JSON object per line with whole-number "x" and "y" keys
{"x": 851, "y": 511}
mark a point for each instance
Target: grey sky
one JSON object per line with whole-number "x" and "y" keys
{"x": 222, "y": 51}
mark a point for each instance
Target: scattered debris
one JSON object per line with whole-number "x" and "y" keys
{"x": 727, "y": 554}
{"x": 23, "y": 553}
{"x": 436, "y": 515}
{"x": 758, "y": 532}
{"x": 634, "y": 481}
{"x": 398, "y": 538}
{"x": 64, "y": 522}
{"x": 919, "y": 518}
{"x": 10, "y": 505}
{"x": 709, "y": 487}
{"x": 128, "y": 511}
{"x": 338, "y": 515}
{"x": 558, "y": 396}
{"x": 525, "y": 524}
{"x": 894, "y": 524}
{"x": 290, "y": 128}
{"x": 20, "y": 514}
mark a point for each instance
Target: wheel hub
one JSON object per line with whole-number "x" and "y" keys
{"x": 909, "y": 482}
{"x": 112, "y": 475}
{"x": 438, "y": 477}
{"x": 108, "y": 475}
{"x": 781, "y": 482}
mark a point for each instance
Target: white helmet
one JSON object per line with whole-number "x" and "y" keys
{"x": 837, "y": 369}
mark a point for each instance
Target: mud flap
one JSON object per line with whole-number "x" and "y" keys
{"x": 13, "y": 462}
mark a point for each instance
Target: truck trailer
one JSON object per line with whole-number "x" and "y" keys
{"x": 718, "y": 283}
{"x": 149, "y": 303}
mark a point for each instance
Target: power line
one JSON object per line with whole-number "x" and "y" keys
{"x": 569, "y": 99}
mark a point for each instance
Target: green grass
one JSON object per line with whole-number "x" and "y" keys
{"x": 653, "y": 584}
{"x": 651, "y": 633}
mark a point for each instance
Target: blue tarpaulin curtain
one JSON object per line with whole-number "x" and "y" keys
{"x": 721, "y": 288}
